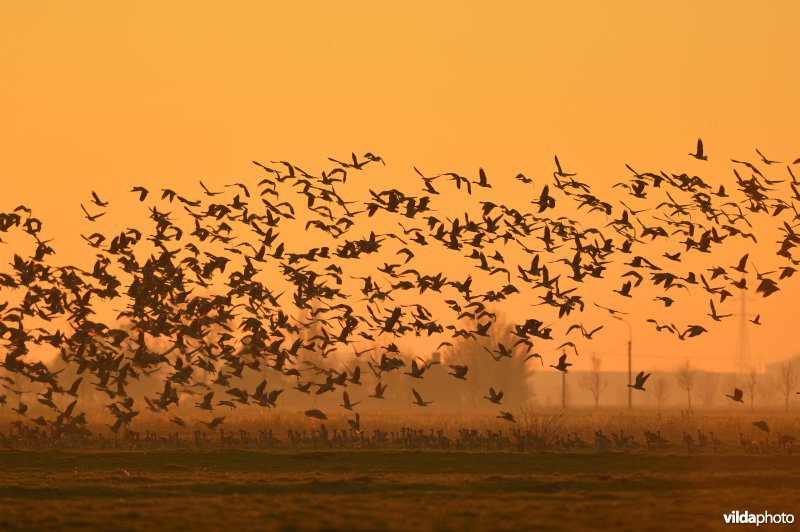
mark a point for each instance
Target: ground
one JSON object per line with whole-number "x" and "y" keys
{"x": 230, "y": 489}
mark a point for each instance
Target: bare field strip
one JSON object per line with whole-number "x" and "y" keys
{"x": 227, "y": 489}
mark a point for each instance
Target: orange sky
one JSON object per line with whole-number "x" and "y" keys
{"x": 99, "y": 96}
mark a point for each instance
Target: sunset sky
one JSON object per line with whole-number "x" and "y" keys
{"x": 103, "y": 96}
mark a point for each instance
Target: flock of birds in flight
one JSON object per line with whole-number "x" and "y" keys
{"x": 215, "y": 288}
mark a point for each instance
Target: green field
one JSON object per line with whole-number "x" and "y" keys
{"x": 231, "y": 489}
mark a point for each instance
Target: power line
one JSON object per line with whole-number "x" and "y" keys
{"x": 701, "y": 357}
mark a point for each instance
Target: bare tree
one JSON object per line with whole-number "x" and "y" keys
{"x": 768, "y": 389}
{"x": 787, "y": 382}
{"x": 751, "y": 386}
{"x": 594, "y": 381}
{"x": 661, "y": 390}
{"x": 488, "y": 367}
{"x": 708, "y": 384}
{"x": 685, "y": 377}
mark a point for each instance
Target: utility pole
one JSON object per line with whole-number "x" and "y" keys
{"x": 563, "y": 387}
{"x": 630, "y": 361}
{"x": 743, "y": 359}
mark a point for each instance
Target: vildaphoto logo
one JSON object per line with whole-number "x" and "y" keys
{"x": 746, "y": 518}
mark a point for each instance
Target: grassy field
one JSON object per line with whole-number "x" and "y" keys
{"x": 231, "y": 489}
